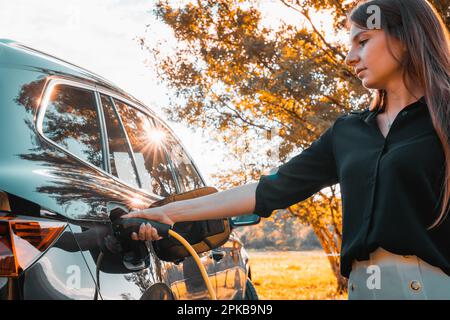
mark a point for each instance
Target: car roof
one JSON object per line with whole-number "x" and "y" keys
{"x": 20, "y": 55}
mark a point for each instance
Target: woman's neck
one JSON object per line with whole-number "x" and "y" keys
{"x": 399, "y": 97}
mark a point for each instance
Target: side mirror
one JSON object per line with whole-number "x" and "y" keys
{"x": 246, "y": 220}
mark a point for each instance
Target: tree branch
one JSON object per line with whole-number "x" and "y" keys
{"x": 238, "y": 115}
{"x": 332, "y": 48}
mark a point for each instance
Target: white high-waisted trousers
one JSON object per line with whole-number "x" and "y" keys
{"x": 388, "y": 276}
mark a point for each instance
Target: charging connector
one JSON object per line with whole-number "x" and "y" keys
{"x": 123, "y": 228}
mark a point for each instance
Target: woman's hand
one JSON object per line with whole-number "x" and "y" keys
{"x": 146, "y": 231}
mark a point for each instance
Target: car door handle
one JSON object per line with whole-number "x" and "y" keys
{"x": 218, "y": 255}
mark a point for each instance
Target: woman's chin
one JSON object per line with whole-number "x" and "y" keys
{"x": 370, "y": 84}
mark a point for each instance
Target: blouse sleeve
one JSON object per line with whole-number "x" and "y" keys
{"x": 298, "y": 179}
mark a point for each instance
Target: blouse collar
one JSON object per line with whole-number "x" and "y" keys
{"x": 419, "y": 104}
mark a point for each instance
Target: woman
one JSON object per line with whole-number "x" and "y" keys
{"x": 392, "y": 161}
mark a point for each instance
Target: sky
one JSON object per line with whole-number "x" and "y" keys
{"x": 100, "y": 35}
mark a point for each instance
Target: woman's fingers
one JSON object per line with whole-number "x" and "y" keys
{"x": 154, "y": 234}
{"x": 146, "y": 233}
{"x": 142, "y": 232}
{"x": 152, "y": 214}
{"x": 149, "y": 214}
{"x": 137, "y": 214}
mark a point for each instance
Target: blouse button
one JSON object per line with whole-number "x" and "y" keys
{"x": 415, "y": 285}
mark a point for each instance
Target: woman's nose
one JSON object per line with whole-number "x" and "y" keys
{"x": 351, "y": 58}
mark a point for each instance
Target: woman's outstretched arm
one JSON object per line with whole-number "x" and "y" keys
{"x": 229, "y": 203}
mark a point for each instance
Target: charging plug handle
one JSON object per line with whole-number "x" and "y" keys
{"x": 124, "y": 227}
{"x": 129, "y": 225}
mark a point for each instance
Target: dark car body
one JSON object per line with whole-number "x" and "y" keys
{"x": 60, "y": 164}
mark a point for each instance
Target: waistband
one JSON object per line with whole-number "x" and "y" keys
{"x": 382, "y": 257}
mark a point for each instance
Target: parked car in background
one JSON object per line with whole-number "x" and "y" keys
{"x": 73, "y": 147}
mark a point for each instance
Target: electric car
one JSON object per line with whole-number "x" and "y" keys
{"x": 74, "y": 147}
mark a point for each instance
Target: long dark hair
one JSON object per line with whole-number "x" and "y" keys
{"x": 417, "y": 24}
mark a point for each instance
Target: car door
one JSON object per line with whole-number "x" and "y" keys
{"x": 149, "y": 139}
{"x": 87, "y": 188}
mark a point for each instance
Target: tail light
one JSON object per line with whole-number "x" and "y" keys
{"x": 23, "y": 241}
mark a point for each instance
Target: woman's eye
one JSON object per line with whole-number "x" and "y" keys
{"x": 363, "y": 42}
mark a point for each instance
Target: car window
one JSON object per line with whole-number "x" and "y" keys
{"x": 120, "y": 158}
{"x": 71, "y": 121}
{"x": 148, "y": 148}
{"x": 184, "y": 169}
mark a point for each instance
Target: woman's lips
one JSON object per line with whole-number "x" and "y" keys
{"x": 359, "y": 72}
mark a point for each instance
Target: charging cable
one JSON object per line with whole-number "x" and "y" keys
{"x": 123, "y": 228}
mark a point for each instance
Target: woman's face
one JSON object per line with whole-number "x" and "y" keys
{"x": 371, "y": 58}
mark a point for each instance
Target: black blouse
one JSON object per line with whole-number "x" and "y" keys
{"x": 390, "y": 187}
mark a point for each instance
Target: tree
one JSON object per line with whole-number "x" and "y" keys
{"x": 231, "y": 74}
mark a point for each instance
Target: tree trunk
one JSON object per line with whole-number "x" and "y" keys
{"x": 327, "y": 241}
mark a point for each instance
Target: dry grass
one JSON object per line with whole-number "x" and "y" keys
{"x": 293, "y": 275}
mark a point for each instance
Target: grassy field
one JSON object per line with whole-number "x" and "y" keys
{"x": 293, "y": 275}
